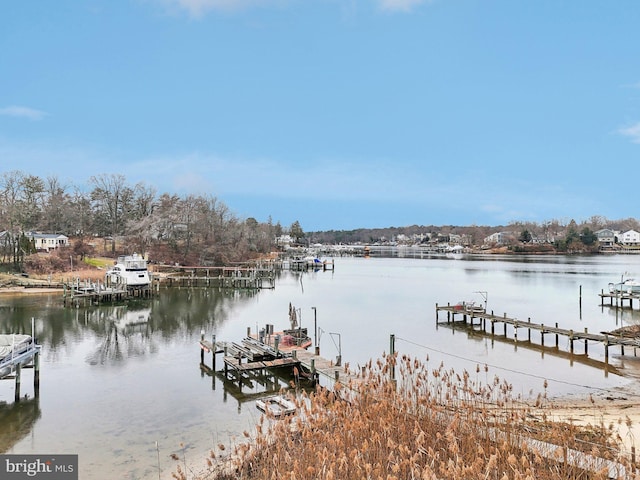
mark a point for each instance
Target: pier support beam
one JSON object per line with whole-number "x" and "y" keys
{"x": 571, "y": 340}
{"x": 36, "y": 374}
{"x": 18, "y": 381}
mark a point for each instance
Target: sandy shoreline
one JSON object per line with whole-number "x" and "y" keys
{"x": 618, "y": 407}
{"x": 15, "y": 290}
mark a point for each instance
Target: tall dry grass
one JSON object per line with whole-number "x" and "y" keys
{"x": 429, "y": 424}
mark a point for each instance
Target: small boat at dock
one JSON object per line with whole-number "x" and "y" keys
{"x": 15, "y": 349}
{"x": 276, "y": 405}
{"x": 625, "y": 285}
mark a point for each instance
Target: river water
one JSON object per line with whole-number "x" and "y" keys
{"x": 121, "y": 385}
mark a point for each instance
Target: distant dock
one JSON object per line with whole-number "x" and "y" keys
{"x": 216, "y": 277}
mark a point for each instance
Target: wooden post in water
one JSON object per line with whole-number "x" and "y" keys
{"x": 586, "y": 345}
{"x": 392, "y": 353}
{"x": 557, "y": 338}
{"x": 570, "y": 340}
{"x": 606, "y": 348}
{"x": 542, "y": 334}
{"x": 36, "y": 374}
{"x": 529, "y": 330}
{"x": 213, "y": 352}
{"x": 201, "y": 347}
{"x": 18, "y": 380}
{"x": 580, "y": 297}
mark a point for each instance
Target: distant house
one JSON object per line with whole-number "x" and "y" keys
{"x": 455, "y": 238}
{"x": 606, "y": 237}
{"x": 284, "y": 241}
{"x": 499, "y": 238}
{"x": 47, "y": 241}
{"x": 629, "y": 238}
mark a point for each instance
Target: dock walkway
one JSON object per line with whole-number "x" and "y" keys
{"x": 217, "y": 277}
{"x": 459, "y": 313}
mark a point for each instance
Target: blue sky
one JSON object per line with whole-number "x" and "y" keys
{"x": 338, "y": 114}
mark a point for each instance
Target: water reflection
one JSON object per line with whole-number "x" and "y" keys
{"x": 126, "y": 333}
{"x": 17, "y": 420}
{"x": 475, "y": 333}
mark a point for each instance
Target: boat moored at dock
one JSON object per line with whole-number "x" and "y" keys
{"x": 628, "y": 285}
{"x": 130, "y": 271}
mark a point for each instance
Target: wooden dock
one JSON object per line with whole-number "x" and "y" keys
{"x": 619, "y": 298}
{"x": 77, "y": 294}
{"x": 253, "y": 356}
{"x": 459, "y": 313}
{"x": 304, "y": 264}
{"x": 216, "y": 277}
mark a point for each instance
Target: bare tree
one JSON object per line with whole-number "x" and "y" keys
{"x": 112, "y": 199}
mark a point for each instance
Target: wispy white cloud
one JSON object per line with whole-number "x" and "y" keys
{"x": 400, "y": 5}
{"x": 198, "y": 8}
{"x": 23, "y": 112}
{"x": 632, "y": 132}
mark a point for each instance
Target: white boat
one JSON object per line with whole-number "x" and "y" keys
{"x": 130, "y": 271}
{"x": 15, "y": 349}
{"x": 277, "y": 405}
{"x": 628, "y": 285}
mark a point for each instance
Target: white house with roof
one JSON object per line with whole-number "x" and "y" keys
{"x": 498, "y": 238}
{"x": 47, "y": 241}
{"x": 629, "y": 238}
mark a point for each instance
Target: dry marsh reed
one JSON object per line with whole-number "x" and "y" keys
{"x": 428, "y": 424}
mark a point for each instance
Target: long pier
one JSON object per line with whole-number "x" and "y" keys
{"x": 217, "y": 277}
{"x": 460, "y": 313}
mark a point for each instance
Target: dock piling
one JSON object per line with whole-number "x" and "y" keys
{"x": 18, "y": 381}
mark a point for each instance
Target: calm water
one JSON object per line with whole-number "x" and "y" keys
{"x": 115, "y": 380}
